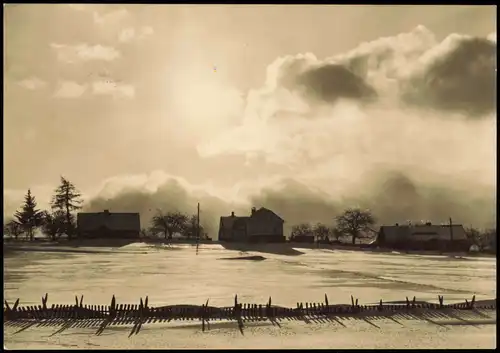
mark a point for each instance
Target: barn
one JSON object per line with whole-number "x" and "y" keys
{"x": 108, "y": 225}
{"x": 424, "y": 237}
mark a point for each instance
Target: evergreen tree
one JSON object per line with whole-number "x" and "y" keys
{"x": 67, "y": 199}
{"x": 29, "y": 217}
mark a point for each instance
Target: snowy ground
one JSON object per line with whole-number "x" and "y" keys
{"x": 175, "y": 275}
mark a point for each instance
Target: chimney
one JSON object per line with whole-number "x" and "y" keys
{"x": 253, "y": 210}
{"x": 232, "y": 214}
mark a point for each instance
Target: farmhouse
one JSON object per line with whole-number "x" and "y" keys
{"x": 424, "y": 237}
{"x": 109, "y": 225}
{"x": 262, "y": 226}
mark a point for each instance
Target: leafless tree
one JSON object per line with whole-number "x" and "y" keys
{"x": 355, "y": 221}
{"x": 301, "y": 230}
{"x": 53, "y": 224}
{"x": 12, "y": 229}
{"x": 322, "y": 232}
{"x": 191, "y": 228}
{"x": 169, "y": 223}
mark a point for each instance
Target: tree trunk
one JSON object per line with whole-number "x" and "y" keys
{"x": 354, "y": 239}
{"x": 68, "y": 222}
{"x": 166, "y": 234}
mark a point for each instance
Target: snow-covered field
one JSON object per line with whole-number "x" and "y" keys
{"x": 176, "y": 275}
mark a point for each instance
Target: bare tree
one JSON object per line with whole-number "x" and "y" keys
{"x": 354, "y": 221}
{"x": 336, "y": 233}
{"x": 67, "y": 199}
{"x": 191, "y": 228}
{"x": 301, "y": 230}
{"x": 29, "y": 217}
{"x": 13, "y": 229}
{"x": 169, "y": 223}
{"x": 474, "y": 235}
{"x": 321, "y": 232}
{"x": 53, "y": 224}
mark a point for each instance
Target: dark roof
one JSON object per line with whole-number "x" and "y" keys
{"x": 232, "y": 222}
{"x": 111, "y": 221}
{"x": 407, "y": 231}
{"x": 263, "y": 209}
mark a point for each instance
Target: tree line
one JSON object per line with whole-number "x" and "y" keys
{"x": 60, "y": 219}
{"x": 356, "y": 223}
{"x": 55, "y": 222}
{"x": 353, "y": 222}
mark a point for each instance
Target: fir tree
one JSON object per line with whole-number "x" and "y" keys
{"x": 29, "y": 217}
{"x": 67, "y": 199}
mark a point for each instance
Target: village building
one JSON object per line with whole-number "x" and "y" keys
{"x": 262, "y": 226}
{"x": 426, "y": 236}
{"x": 303, "y": 238}
{"x": 107, "y": 225}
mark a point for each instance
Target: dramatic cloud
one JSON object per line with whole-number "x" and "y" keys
{"x": 113, "y": 88}
{"x": 403, "y": 125}
{"x": 459, "y": 76}
{"x": 158, "y": 191}
{"x": 333, "y": 82}
{"x": 32, "y": 83}
{"x": 84, "y": 52}
{"x": 338, "y": 145}
{"x": 70, "y": 89}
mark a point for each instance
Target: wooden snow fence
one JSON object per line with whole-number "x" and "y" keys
{"x": 79, "y": 315}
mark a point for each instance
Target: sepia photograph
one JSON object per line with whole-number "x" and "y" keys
{"x": 249, "y": 176}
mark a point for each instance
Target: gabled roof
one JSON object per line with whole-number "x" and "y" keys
{"x": 439, "y": 231}
{"x": 266, "y": 210}
{"x": 108, "y": 220}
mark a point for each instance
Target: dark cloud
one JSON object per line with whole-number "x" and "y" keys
{"x": 462, "y": 80}
{"x": 331, "y": 82}
{"x": 397, "y": 197}
{"x": 296, "y": 203}
{"x": 170, "y": 196}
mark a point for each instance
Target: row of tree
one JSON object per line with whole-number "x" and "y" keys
{"x": 55, "y": 222}
{"x": 356, "y": 223}
{"x": 353, "y": 222}
{"x": 60, "y": 220}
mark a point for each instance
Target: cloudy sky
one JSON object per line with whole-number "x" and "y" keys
{"x": 303, "y": 109}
